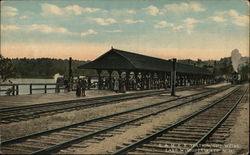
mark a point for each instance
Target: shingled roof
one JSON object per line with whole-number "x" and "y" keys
{"x": 116, "y": 59}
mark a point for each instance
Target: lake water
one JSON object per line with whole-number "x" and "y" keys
{"x": 25, "y": 89}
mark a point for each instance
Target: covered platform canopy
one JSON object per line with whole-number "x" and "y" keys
{"x": 116, "y": 59}
{"x": 124, "y": 61}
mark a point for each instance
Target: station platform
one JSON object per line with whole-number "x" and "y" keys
{"x": 21, "y": 100}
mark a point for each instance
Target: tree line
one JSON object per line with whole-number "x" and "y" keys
{"x": 40, "y": 68}
{"x": 48, "y": 67}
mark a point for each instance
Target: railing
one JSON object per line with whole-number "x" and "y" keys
{"x": 14, "y": 89}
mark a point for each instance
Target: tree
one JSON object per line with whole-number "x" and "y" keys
{"x": 6, "y": 69}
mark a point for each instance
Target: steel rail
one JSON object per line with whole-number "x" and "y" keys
{"x": 82, "y": 100}
{"x": 161, "y": 132}
{"x": 14, "y": 140}
{"x": 70, "y": 101}
{"x": 216, "y": 126}
{"x": 79, "y": 139}
{"x": 31, "y": 113}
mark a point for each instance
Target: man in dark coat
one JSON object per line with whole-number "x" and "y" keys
{"x": 83, "y": 84}
{"x": 78, "y": 88}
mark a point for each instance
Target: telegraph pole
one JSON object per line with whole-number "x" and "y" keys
{"x": 70, "y": 74}
{"x": 173, "y": 77}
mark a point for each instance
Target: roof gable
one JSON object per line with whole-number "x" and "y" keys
{"x": 116, "y": 59}
{"x": 109, "y": 61}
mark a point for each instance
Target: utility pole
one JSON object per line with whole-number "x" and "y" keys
{"x": 173, "y": 77}
{"x": 70, "y": 74}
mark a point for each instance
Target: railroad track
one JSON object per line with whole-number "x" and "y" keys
{"x": 92, "y": 131}
{"x": 204, "y": 131}
{"x": 16, "y": 114}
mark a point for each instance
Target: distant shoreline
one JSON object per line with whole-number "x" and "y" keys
{"x": 31, "y": 78}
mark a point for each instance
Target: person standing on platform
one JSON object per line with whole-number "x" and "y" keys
{"x": 123, "y": 86}
{"x": 66, "y": 84}
{"x": 78, "y": 88}
{"x": 83, "y": 84}
{"x": 116, "y": 85}
{"x": 89, "y": 82}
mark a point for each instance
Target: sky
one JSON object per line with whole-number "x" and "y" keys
{"x": 86, "y": 29}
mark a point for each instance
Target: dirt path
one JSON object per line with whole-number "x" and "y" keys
{"x": 239, "y": 134}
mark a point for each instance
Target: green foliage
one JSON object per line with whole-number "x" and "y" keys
{"x": 218, "y": 67}
{"x": 6, "y": 69}
{"x": 46, "y": 68}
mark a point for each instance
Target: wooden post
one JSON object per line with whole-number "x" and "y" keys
{"x": 136, "y": 80}
{"x": 110, "y": 79}
{"x": 30, "y": 89}
{"x": 13, "y": 89}
{"x": 173, "y": 77}
{"x": 165, "y": 80}
{"x": 127, "y": 80}
{"x": 99, "y": 79}
{"x": 17, "y": 89}
{"x": 57, "y": 89}
{"x": 70, "y": 74}
{"x": 45, "y": 88}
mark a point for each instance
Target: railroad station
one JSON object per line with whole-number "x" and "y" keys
{"x": 182, "y": 102}
{"x": 136, "y": 71}
{"x": 176, "y": 80}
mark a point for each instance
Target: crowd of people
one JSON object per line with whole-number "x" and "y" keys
{"x": 81, "y": 87}
{"x": 121, "y": 84}
{"x": 117, "y": 84}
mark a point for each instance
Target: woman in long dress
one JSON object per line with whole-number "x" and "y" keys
{"x": 116, "y": 85}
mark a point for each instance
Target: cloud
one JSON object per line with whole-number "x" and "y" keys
{"x": 51, "y": 9}
{"x": 9, "y": 27}
{"x": 47, "y": 29}
{"x": 104, "y": 22}
{"x": 152, "y": 10}
{"x": 131, "y": 11}
{"x": 197, "y": 7}
{"x": 77, "y": 10}
{"x": 187, "y": 25}
{"x": 231, "y": 16}
{"x": 9, "y": 11}
{"x": 130, "y": 21}
{"x": 73, "y": 9}
{"x": 37, "y": 28}
{"x": 238, "y": 19}
{"x": 89, "y": 32}
{"x": 48, "y": 9}
{"x": 23, "y": 17}
{"x": 218, "y": 19}
{"x": 190, "y": 24}
{"x": 184, "y": 7}
{"x": 191, "y": 21}
{"x": 91, "y": 10}
{"x": 175, "y": 7}
{"x": 163, "y": 24}
{"x": 113, "y": 31}
{"x": 119, "y": 12}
